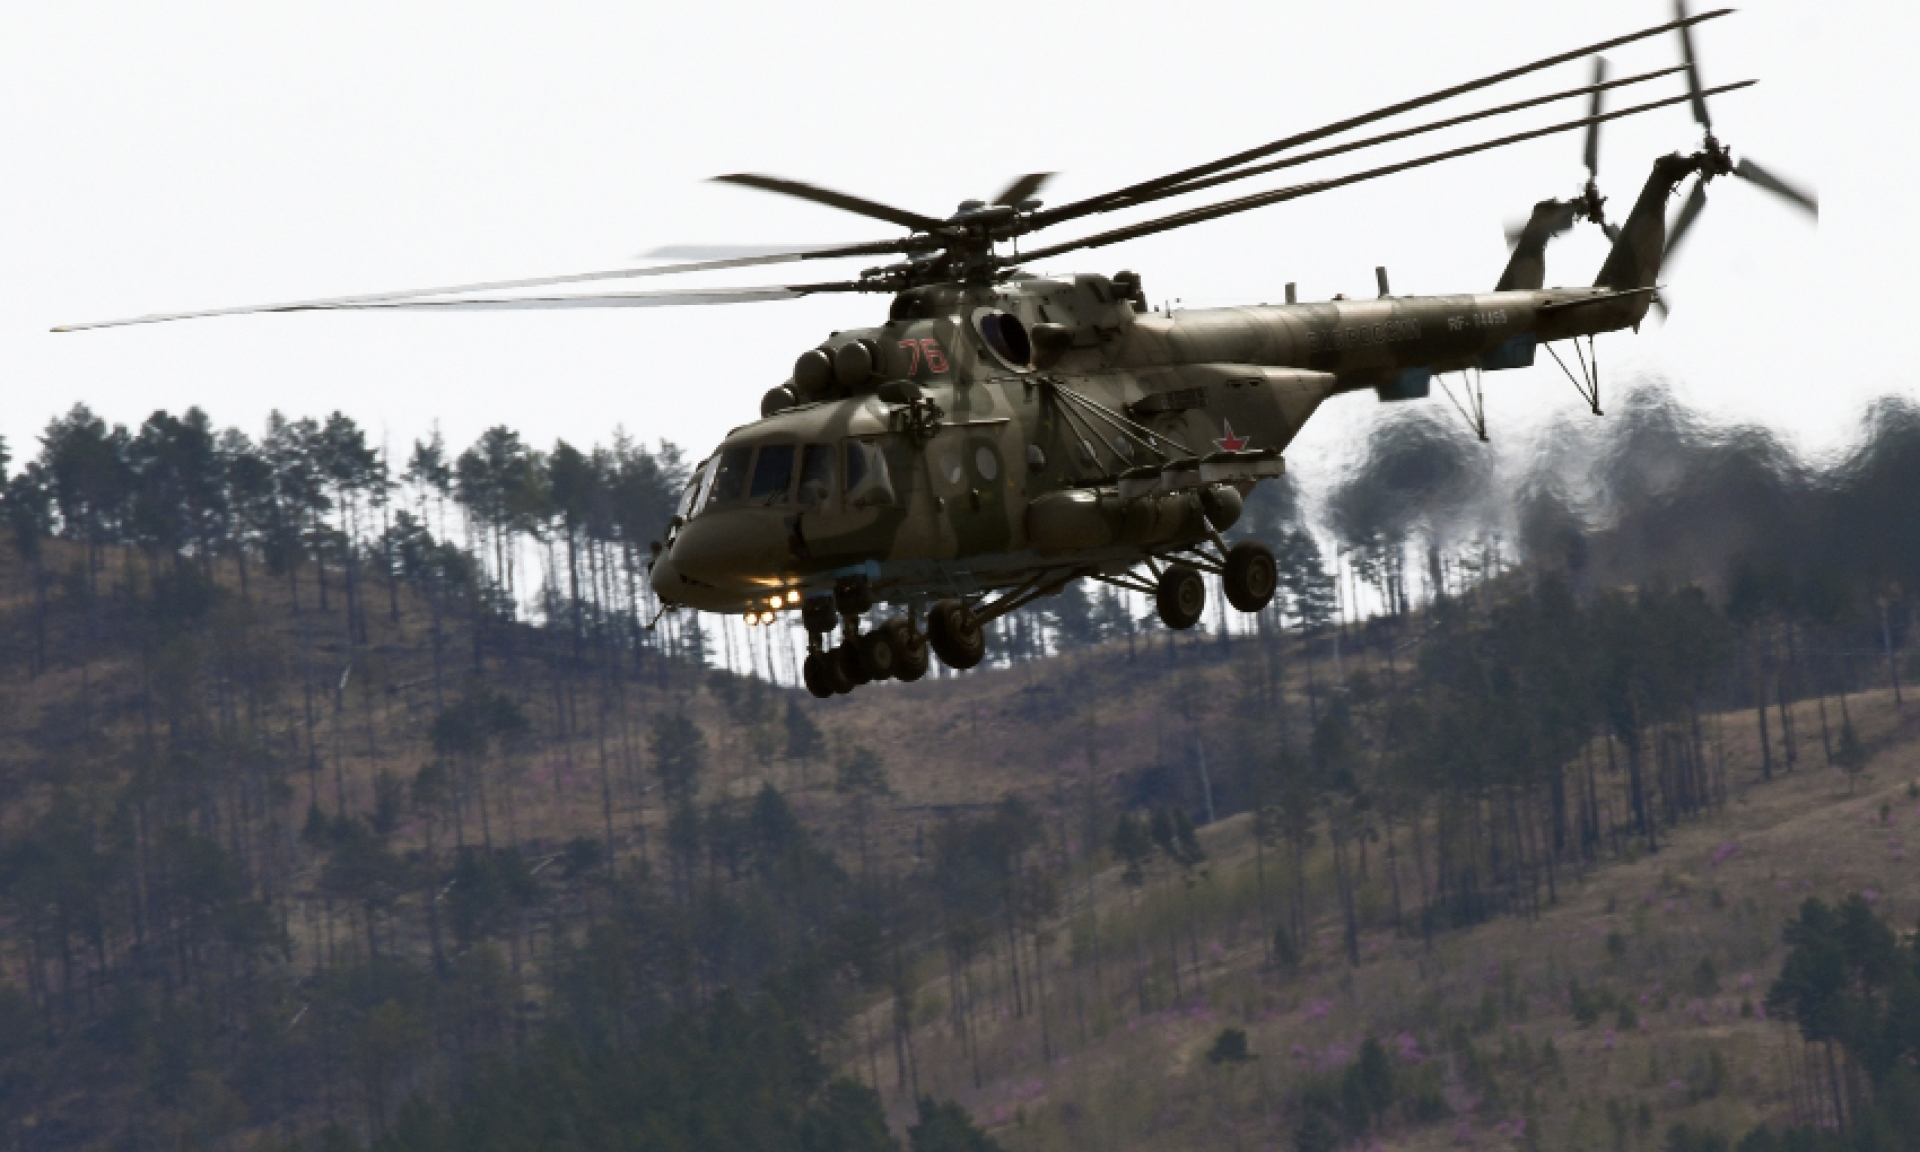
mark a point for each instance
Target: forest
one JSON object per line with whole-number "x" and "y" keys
{"x": 359, "y": 802}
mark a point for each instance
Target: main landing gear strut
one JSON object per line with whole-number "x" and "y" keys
{"x": 896, "y": 650}
{"x": 1248, "y": 574}
{"x": 955, "y": 631}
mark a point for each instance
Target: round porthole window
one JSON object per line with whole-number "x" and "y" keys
{"x": 988, "y": 463}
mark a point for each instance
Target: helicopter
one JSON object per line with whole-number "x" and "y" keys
{"x": 1003, "y": 434}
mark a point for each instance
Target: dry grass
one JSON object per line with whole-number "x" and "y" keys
{"x": 1634, "y": 933}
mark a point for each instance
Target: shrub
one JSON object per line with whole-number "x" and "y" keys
{"x": 1707, "y": 1078}
{"x": 1706, "y": 977}
{"x": 1286, "y": 957}
{"x": 1315, "y": 1134}
{"x": 1230, "y": 1047}
{"x": 1681, "y": 1138}
{"x": 1585, "y": 1005}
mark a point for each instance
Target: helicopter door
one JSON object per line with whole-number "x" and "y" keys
{"x": 967, "y": 470}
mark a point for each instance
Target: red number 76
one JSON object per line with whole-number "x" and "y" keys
{"x": 936, "y": 360}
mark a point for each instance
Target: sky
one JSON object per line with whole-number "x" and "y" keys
{"x": 198, "y": 154}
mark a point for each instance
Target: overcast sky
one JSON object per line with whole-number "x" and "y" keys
{"x": 169, "y": 157}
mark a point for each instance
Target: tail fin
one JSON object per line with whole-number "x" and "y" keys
{"x": 1634, "y": 261}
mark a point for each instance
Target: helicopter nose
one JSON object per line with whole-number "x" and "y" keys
{"x": 664, "y": 579}
{"x": 735, "y": 551}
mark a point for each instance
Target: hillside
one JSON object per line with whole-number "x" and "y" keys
{"x": 1673, "y": 953}
{"x": 321, "y": 829}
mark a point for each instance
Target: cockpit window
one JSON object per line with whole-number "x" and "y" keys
{"x": 772, "y": 475}
{"x": 817, "y": 475}
{"x": 730, "y": 478}
{"x": 868, "y": 485}
{"x": 702, "y": 476}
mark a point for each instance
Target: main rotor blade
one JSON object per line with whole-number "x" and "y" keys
{"x": 832, "y": 199}
{"x": 790, "y": 257}
{"x": 1261, "y": 200}
{"x": 606, "y": 300}
{"x": 1137, "y": 191}
{"x": 743, "y": 251}
{"x": 1700, "y": 115}
{"x": 1022, "y": 190}
{"x": 1754, "y": 174}
{"x": 1689, "y": 212}
{"x": 1593, "y": 109}
{"x": 1384, "y": 138}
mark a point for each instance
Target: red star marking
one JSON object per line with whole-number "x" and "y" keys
{"x": 1230, "y": 442}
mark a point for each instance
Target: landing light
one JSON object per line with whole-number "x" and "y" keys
{"x": 793, "y": 597}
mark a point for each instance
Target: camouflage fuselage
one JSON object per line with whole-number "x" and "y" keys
{"x": 957, "y": 514}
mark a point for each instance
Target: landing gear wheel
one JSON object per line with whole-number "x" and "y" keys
{"x": 847, "y": 659}
{"x": 1182, "y": 597}
{"x": 817, "y": 671}
{"x": 955, "y": 635}
{"x": 833, "y": 671}
{"x": 910, "y": 653}
{"x": 819, "y": 615}
{"x": 878, "y": 658}
{"x": 1250, "y": 577}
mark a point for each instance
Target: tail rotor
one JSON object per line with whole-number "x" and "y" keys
{"x": 1715, "y": 160}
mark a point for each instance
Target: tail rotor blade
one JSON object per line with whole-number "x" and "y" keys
{"x": 1689, "y": 212}
{"x": 1700, "y": 115}
{"x": 1754, "y": 174}
{"x": 1593, "y": 112}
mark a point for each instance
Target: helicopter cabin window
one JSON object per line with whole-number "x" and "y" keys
{"x": 772, "y": 475}
{"x": 817, "y": 474}
{"x": 868, "y": 484}
{"x": 729, "y": 484}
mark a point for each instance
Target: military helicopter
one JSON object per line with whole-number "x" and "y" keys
{"x": 1003, "y": 434}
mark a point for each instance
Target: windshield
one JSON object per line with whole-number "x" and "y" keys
{"x": 729, "y": 483}
{"x": 690, "y": 499}
{"x": 772, "y": 475}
